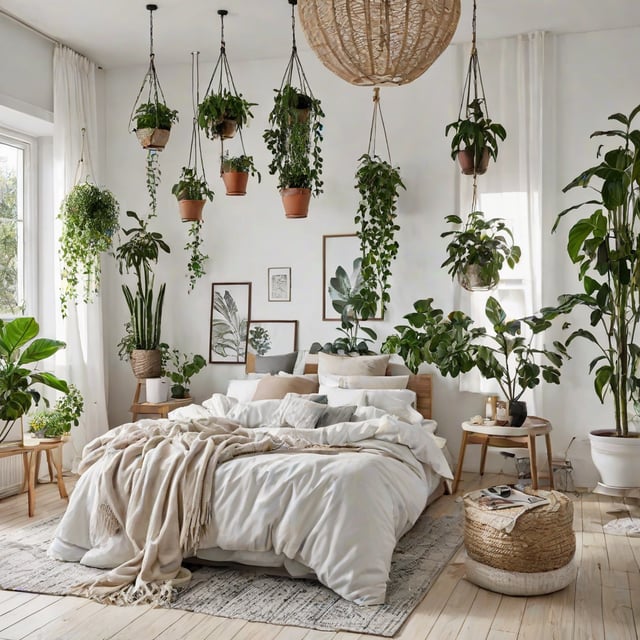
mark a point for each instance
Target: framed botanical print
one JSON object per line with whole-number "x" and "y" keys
{"x": 229, "y": 322}
{"x": 272, "y": 337}
{"x": 279, "y": 284}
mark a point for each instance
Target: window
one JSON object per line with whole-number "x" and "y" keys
{"x": 17, "y": 225}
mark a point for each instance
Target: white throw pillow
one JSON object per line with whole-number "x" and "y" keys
{"x": 365, "y": 382}
{"x": 397, "y": 402}
{"x": 329, "y": 364}
{"x": 243, "y": 390}
{"x": 254, "y": 414}
{"x": 337, "y": 397}
{"x": 297, "y": 412}
{"x": 218, "y": 404}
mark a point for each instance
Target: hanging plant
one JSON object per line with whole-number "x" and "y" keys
{"x": 221, "y": 114}
{"x": 294, "y": 136}
{"x": 235, "y": 173}
{"x": 191, "y": 192}
{"x": 197, "y": 259}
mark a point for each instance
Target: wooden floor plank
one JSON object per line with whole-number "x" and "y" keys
{"x": 293, "y": 633}
{"x": 618, "y": 615}
{"x": 150, "y": 624}
{"x": 481, "y": 615}
{"x": 509, "y": 615}
{"x": 258, "y": 631}
{"x": 24, "y": 611}
{"x": 69, "y": 621}
{"x": 502, "y": 635}
{"x": 453, "y": 615}
{"x": 535, "y": 619}
{"x": 194, "y": 626}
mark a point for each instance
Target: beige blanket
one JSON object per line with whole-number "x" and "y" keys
{"x": 156, "y": 483}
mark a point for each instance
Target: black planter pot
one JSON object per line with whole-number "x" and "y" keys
{"x": 518, "y": 412}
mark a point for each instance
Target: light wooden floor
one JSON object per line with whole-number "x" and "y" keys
{"x": 604, "y": 603}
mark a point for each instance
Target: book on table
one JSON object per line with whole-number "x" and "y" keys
{"x": 506, "y": 497}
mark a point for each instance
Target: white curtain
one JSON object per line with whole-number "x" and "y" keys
{"x": 82, "y": 362}
{"x": 513, "y": 70}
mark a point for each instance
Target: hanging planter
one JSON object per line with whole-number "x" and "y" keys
{"x": 476, "y": 136}
{"x": 295, "y": 202}
{"x": 151, "y": 119}
{"x": 294, "y": 135}
{"x": 235, "y": 173}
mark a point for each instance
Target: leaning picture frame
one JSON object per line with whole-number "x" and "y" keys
{"x": 229, "y": 322}
{"x": 272, "y": 337}
{"x": 279, "y": 284}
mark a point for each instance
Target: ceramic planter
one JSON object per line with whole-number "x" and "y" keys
{"x": 191, "y": 210}
{"x": 467, "y": 162}
{"x": 157, "y": 390}
{"x": 296, "y": 202}
{"x": 517, "y": 412}
{"x": 472, "y": 279}
{"x": 227, "y": 128}
{"x": 153, "y": 138}
{"x": 235, "y": 182}
{"x": 616, "y": 459}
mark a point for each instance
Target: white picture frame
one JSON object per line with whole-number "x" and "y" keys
{"x": 279, "y": 284}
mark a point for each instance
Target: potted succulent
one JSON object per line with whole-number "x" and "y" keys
{"x": 191, "y": 192}
{"x": 604, "y": 246}
{"x": 293, "y": 138}
{"x": 454, "y": 346}
{"x": 136, "y": 255}
{"x": 477, "y": 252}
{"x": 235, "y": 172}
{"x": 57, "y": 422}
{"x": 20, "y": 351}
{"x": 475, "y": 138}
{"x": 153, "y": 122}
{"x": 180, "y": 368}
{"x": 221, "y": 114}
{"x": 89, "y": 218}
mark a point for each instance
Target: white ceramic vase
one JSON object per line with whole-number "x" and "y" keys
{"x": 616, "y": 460}
{"x": 157, "y": 389}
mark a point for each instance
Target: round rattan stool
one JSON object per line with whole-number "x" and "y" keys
{"x": 521, "y": 552}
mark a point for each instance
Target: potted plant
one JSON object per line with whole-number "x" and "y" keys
{"x": 57, "y": 422}
{"x": 604, "y": 246}
{"x": 89, "y": 218}
{"x": 475, "y": 138}
{"x": 454, "y": 346}
{"x": 478, "y": 251}
{"x": 153, "y": 122}
{"x": 235, "y": 173}
{"x": 136, "y": 255}
{"x": 20, "y": 351}
{"x": 378, "y": 184}
{"x": 191, "y": 192}
{"x": 294, "y": 138}
{"x": 221, "y": 114}
{"x": 180, "y": 368}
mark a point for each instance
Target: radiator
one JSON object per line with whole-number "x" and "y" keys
{"x": 11, "y": 473}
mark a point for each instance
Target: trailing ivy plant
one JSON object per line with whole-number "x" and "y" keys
{"x": 153, "y": 180}
{"x": 89, "y": 218}
{"x": 195, "y": 266}
{"x": 378, "y": 184}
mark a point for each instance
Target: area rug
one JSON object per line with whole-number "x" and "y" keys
{"x": 253, "y": 594}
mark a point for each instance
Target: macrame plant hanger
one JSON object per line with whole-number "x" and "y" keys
{"x": 294, "y": 65}
{"x": 196, "y": 159}
{"x": 373, "y": 132}
{"x": 82, "y": 162}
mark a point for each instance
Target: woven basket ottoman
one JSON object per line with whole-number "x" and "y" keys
{"x": 521, "y": 552}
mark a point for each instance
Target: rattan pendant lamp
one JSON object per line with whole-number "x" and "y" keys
{"x": 379, "y": 42}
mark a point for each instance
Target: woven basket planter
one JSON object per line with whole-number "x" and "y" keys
{"x": 542, "y": 538}
{"x": 146, "y": 363}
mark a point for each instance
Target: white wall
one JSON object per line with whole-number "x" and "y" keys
{"x": 245, "y": 236}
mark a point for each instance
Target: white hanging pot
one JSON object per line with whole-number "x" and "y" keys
{"x": 157, "y": 389}
{"x": 616, "y": 459}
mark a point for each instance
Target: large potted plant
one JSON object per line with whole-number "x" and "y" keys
{"x": 605, "y": 246}
{"x": 293, "y": 138}
{"x": 508, "y": 355}
{"x": 153, "y": 122}
{"x": 235, "y": 172}
{"x": 89, "y": 218}
{"x": 20, "y": 351}
{"x": 478, "y": 250}
{"x": 137, "y": 255}
{"x": 221, "y": 114}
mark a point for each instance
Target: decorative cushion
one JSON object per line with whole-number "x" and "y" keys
{"x": 329, "y": 364}
{"x": 338, "y": 397}
{"x": 273, "y": 364}
{"x": 297, "y": 412}
{"x": 255, "y": 413}
{"x": 397, "y": 402}
{"x": 242, "y": 390}
{"x": 277, "y": 387}
{"x": 365, "y": 382}
{"x": 333, "y": 415}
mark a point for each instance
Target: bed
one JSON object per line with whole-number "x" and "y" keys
{"x": 329, "y": 501}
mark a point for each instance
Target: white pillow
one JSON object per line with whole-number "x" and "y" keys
{"x": 329, "y": 364}
{"x": 397, "y": 402}
{"x": 297, "y": 412}
{"x": 337, "y": 397}
{"x": 254, "y": 414}
{"x": 365, "y": 382}
{"x": 243, "y": 390}
{"x": 219, "y": 404}
{"x": 298, "y": 367}
{"x": 189, "y": 412}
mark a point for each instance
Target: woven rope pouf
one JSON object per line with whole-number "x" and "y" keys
{"x": 521, "y": 552}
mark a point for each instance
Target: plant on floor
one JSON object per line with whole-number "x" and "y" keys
{"x": 20, "y": 351}
{"x": 59, "y": 420}
{"x": 180, "y": 368}
{"x": 89, "y": 218}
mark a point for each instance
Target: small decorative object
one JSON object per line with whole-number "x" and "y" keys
{"x": 57, "y": 422}
{"x": 294, "y": 136}
{"x": 476, "y": 136}
{"x": 279, "y": 284}
{"x": 379, "y": 42}
{"x": 502, "y": 415}
{"x": 235, "y": 173}
{"x": 180, "y": 368}
{"x": 273, "y": 336}
{"x": 230, "y": 306}
{"x": 151, "y": 118}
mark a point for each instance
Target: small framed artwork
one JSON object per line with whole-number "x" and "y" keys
{"x": 279, "y": 284}
{"x": 272, "y": 337}
{"x": 342, "y": 250}
{"x": 229, "y": 323}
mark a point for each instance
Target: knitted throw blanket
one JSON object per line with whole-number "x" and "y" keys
{"x": 154, "y": 480}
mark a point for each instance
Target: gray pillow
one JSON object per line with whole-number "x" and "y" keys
{"x": 333, "y": 415}
{"x": 274, "y": 364}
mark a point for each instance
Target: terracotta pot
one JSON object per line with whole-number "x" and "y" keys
{"x": 472, "y": 280}
{"x": 235, "y": 182}
{"x": 146, "y": 363}
{"x": 191, "y": 210}
{"x": 466, "y": 162}
{"x": 153, "y": 138}
{"x": 296, "y": 202}
{"x": 227, "y": 128}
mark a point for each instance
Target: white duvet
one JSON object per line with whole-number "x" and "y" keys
{"x": 340, "y": 515}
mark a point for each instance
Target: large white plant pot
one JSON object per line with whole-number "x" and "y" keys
{"x": 157, "y": 389}
{"x": 617, "y": 460}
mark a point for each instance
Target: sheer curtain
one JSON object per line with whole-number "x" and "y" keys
{"x": 82, "y": 362}
{"x": 513, "y": 70}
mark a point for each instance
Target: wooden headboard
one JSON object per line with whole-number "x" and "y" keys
{"x": 420, "y": 383}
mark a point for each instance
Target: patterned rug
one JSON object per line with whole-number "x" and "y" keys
{"x": 251, "y": 593}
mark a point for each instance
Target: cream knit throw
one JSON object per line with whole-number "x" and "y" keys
{"x": 155, "y": 482}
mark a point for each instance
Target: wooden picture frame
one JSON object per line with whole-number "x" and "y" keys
{"x": 277, "y": 337}
{"x": 279, "y": 284}
{"x": 229, "y": 322}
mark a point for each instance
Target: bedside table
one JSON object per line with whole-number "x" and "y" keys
{"x": 155, "y": 408}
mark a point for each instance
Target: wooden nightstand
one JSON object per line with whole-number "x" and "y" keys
{"x": 155, "y": 408}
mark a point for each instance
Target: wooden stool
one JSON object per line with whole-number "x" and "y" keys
{"x": 507, "y": 438}
{"x": 154, "y": 408}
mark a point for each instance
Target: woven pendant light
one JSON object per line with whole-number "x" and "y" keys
{"x": 379, "y": 42}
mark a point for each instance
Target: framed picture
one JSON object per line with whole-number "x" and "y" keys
{"x": 341, "y": 250}
{"x": 272, "y": 337}
{"x": 230, "y": 305}
{"x": 279, "y": 281}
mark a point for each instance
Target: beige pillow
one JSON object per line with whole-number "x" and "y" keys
{"x": 365, "y": 382}
{"x": 329, "y": 364}
{"x": 277, "y": 387}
